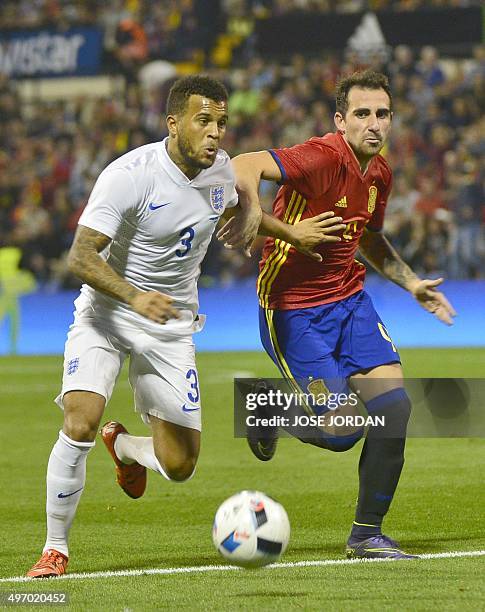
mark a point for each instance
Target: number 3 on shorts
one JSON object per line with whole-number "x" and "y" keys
{"x": 192, "y": 374}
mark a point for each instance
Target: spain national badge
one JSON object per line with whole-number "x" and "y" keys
{"x": 217, "y": 198}
{"x": 371, "y": 202}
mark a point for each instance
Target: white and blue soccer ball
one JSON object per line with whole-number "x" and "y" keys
{"x": 251, "y": 529}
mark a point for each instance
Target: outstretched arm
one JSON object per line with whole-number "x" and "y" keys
{"x": 250, "y": 168}
{"x": 378, "y": 251}
{"x": 85, "y": 262}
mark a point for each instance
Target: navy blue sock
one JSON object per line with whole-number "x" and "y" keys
{"x": 381, "y": 462}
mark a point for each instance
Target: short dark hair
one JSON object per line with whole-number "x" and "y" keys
{"x": 366, "y": 79}
{"x": 201, "y": 85}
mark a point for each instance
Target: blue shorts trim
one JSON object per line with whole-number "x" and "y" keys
{"x": 329, "y": 342}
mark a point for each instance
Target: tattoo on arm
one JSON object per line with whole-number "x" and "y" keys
{"x": 379, "y": 252}
{"x": 86, "y": 263}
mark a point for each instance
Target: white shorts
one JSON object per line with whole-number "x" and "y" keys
{"x": 162, "y": 373}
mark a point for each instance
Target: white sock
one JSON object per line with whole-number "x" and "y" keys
{"x": 66, "y": 475}
{"x": 129, "y": 449}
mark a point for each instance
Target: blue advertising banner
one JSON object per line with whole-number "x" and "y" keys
{"x": 47, "y": 53}
{"x": 38, "y": 322}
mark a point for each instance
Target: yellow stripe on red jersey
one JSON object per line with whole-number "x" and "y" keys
{"x": 279, "y": 254}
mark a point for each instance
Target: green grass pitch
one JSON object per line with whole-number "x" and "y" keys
{"x": 439, "y": 506}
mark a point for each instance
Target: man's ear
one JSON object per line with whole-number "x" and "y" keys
{"x": 172, "y": 125}
{"x": 339, "y": 122}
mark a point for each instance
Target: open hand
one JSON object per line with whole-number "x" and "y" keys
{"x": 241, "y": 229}
{"x": 309, "y": 233}
{"x": 433, "y": 301}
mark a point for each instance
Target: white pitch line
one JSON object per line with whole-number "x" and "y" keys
{"x": 225, "y": 568}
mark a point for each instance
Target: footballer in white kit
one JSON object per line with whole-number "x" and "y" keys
{"x": 138, "y": 249}
{"x": 160, "y": 224}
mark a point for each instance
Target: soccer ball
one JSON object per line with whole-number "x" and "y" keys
{"x": 251, "y": 529}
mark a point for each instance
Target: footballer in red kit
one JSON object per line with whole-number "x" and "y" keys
{"x": 317, "y": 322}
{"x": 323, "y": 174}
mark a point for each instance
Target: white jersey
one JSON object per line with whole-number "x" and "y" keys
{"x": 160, "y": 223}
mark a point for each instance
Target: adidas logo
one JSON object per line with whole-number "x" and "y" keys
{"x": 342, "y": 203}
{"x": 368, "y": 37}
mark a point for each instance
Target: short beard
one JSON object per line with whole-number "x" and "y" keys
{"x": 188, "y": 158}
{"x": 369, "y": 152}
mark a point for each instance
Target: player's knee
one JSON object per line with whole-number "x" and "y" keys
{"x": 395, "y": 407}
{"x": 82, "y": 414}
{"x": 80, "y": 429}
{"x": 178, "y": 469}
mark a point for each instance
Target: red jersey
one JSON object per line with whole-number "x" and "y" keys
{"x": 320, "y": 175}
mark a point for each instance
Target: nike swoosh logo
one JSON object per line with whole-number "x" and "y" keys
{"x": 185, "y": 409}
{"x": 153, "y": 206}
{"x": 62, "y": 495}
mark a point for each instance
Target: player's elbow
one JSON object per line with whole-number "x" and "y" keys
{"x": 71, "y": 262}
{"x": 74, "y": 263}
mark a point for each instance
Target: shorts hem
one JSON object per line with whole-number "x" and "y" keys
{"x": 167, "y": 417}
{"x": 369, "y": 366}
{"x": 79, "y": 387}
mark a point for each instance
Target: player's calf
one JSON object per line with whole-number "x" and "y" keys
{"x": 380, "y": 467}
{"x": 339, "y": 430}
{"x": 336, "y": 444}
{"x": 176, "y": 449}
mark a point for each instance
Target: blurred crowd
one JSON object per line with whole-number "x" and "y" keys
{"x": 52, "y": 152}
{"x": 281, "y": 7}
{"x": 153, "y": 13}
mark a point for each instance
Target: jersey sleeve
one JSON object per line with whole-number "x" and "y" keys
{"x": 377, "y": 220}
{"x": 309, "y": 167}
{"x": 113, "y": 196}
{"x": 233, "y": 198}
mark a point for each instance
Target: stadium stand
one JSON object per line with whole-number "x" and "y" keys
{"x": 54, "y": 146}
